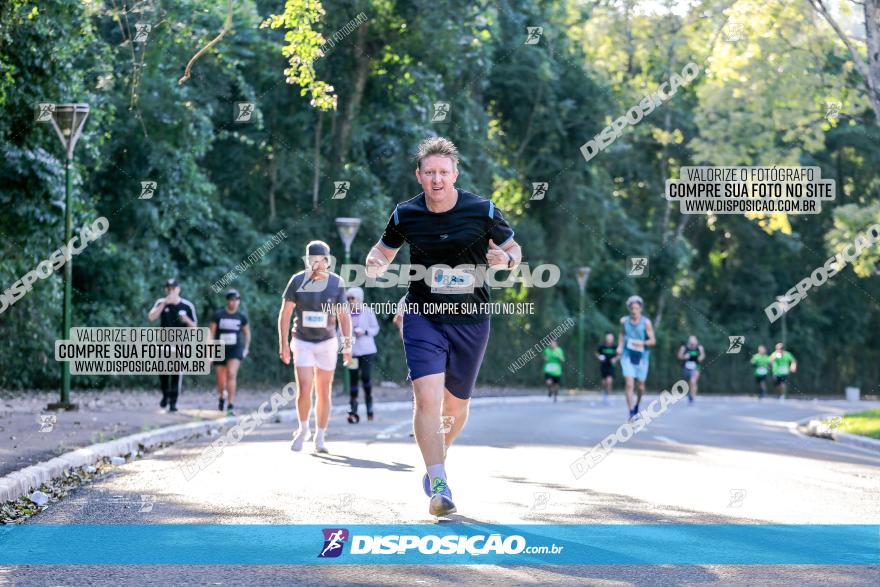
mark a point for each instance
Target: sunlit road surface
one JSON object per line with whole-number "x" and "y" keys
{"x": 721, "y": 461}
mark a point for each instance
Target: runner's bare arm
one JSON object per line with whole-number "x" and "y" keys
{"x": 246, "y": 330}
{"x": 284, "y": 315}
{"x": 156, "y": 310}
{"x": 213, "y": 328}
{"x": 649, "y": 329}
{"x": 681, "y": 355}
{"x": 508, "y": 256}
{"x": 345, "y": 326}
{"x": 513, "y": 249}
{"x": 620, "y": 338}
{"x": 378, "y": 259}
{"x": 702, "y": 354}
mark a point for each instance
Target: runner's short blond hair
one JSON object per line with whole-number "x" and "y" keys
{"x": 437, "y": 146}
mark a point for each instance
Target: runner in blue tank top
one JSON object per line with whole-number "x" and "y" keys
{"x": 636, "y": 338}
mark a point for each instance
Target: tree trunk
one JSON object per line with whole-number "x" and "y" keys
{"x": 664, "y": 174}
{"x": 872, "y": 38}
{"x": 317, "y": 163}
{"x": 870, "y": 71}
{"x": 273, "y": 182}
{"x": 353, "y": 103}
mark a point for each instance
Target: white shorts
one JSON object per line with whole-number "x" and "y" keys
{"x": 315, "y": 354}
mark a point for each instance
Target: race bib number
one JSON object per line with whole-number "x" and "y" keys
{"x": 229, "y": 338}
{"x": 782, "y": 370}
{"x": 690, "y": 365}
{"x": 761, "y": 371}
{"x": 635, "y": 345}
{"x": 314, "y": 319}
{"x": 452, "y": 281}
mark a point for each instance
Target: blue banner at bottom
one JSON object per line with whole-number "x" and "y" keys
{"x": 618, "y": 544}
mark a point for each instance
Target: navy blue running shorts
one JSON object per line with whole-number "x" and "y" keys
{"x": 454, "y": 349}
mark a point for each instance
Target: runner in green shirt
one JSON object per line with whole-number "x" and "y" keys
{"x": 761, "y": 362}
{"x": 553, "y": 359}
{"x": 782, "y": 363}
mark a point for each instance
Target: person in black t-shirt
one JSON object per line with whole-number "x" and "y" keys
{"x": 607, "y": 357}
{"x": 230, "y": 327}
{"x": 444, "y": 345}
{"x": 691, "y": 354}
{"x": 173, "y": 312}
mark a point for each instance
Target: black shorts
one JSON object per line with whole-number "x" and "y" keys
{"x": 780, "y": 379}
{"x": 606, "y": 369}
{"x": 760, "y": 378}
{"x": 232, "y": 352}
{"x": 552, "y": 378}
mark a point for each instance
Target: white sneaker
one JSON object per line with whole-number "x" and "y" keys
{"x": 320, "y": 447}
{"x": 299, "y": 438}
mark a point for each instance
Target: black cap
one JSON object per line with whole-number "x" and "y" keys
{"x": 317, "y": 248}
{"x": 171, "y": 283}
{"x": 233, "y": 293}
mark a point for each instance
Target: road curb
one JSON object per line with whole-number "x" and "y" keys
{"x": 21, "y": 482}
{"x": 817, "y": 428}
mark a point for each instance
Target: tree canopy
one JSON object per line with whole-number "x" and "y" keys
{"x": 338, "y": 97}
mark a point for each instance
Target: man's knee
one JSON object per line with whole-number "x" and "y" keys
{"x": 428, "y": 400}
{"x": 460, "y": 412}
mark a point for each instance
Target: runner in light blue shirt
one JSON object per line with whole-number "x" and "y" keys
{"x": 636, "y": 338}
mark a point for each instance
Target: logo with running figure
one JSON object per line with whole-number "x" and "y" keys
{"x": 735, "y": 344}
{"x": 147, "y": 503}
{"x": 542, "y": 498}
{"x": 638, "y": 267}
{"x": 334, "y": 540}
{"x": 737, "y": 497}
{"x": 340, "y": 189}
{"x": 244, "y": 111}
{"x": 734, "y": 32}
{"x": 44, "y": 112}
{"x": 47, "y": 422}
{"x": 142, "y": 31}
{"x": 440, "y": 112}
{"x": 148, "y": 188}
{"x": 832, "y": 110}
{"x": 446, "y": 423}
{"x": 539, "y": 190}
{"x": 534, "y": 35}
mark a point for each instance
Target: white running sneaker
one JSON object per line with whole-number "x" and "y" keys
{"x": 299, "y": 438}
{"x": 320, "y": 447}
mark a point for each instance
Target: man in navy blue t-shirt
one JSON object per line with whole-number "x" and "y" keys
{"x": 446, "y": 323}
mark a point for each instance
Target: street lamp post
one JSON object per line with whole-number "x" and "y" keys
{"x": 784, "y": 304}
{"x": 68, "y": 121}
{"x": 583, "y": 274}
{"x": 347, "y": 228}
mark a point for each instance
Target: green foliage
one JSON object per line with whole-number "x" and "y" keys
{"x": 518, "y": 113}
{"x": 303, "y": 48}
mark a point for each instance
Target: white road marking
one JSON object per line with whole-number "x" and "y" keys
{"x": 388, "y": 432}
{"x": 667, "y": 440}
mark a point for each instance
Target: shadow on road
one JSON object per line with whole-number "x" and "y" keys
{"x": 342, "y": 460}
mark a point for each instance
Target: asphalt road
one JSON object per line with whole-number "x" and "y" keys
{"x": 723, "y": 460}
